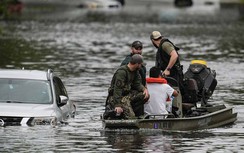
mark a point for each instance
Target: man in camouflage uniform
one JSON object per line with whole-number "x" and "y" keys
{"x": 136, "y": 48}
{"x": 126, "y": 88}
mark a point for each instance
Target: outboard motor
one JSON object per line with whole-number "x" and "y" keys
{"x": 199, "y": 82}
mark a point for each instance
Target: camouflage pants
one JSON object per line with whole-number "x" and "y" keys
{"x": 132, "y": 104}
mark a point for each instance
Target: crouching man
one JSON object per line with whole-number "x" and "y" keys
{"x": 126, "y": 89}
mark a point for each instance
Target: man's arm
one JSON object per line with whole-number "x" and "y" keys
{"x": 175, "y": 93}
{"x": 139, "y": 87}
{"x": 170, "y": 50}
{"x": 171, "y": 91}
{"x": 173, "y": 59}
{"x": 119, "y": 83}
{"x": 120, "y": 78}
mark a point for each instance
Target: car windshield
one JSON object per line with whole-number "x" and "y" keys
{"x": 25, "y": 91}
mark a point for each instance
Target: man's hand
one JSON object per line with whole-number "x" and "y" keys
{"x": 166, "y": 73}
{"x": 118, "y": 110}
{"x": 146, "y": 93}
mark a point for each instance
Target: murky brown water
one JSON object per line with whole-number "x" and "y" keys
{"x": 85, "y": 47}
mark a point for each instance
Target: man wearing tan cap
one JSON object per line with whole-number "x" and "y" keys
{"x": 167, "y": 57}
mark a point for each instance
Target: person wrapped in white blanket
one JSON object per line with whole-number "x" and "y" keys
{"x": 160, "y": 93}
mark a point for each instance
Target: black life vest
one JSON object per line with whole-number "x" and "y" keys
{"x": 162, "y": 58}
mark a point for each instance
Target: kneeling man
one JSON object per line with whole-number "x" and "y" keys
{"x": 126, "y": 89}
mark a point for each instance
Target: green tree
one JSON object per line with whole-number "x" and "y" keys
{"x": 3, "y": 8}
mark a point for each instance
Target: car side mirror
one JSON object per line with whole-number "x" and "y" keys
{"x": 63, "y": 100}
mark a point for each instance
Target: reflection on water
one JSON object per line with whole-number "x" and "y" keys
{"x": 16, "y": 53}
{"x": 86, "y": 47}
{"x": 157, "y": 141}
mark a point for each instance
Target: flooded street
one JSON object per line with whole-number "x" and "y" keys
{"x": 86, "y": 46}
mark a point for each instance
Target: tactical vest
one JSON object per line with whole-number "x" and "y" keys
{"x": 162, "y": 58}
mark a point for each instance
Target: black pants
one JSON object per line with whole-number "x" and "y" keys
{"x": 137, "y": 103}
{"x": 138, "y": 108}
{"x": 178, "y": 76}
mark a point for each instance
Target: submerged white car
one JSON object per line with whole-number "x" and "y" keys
{"x": 100, "y": 4}
{"x": 32, "y": 97}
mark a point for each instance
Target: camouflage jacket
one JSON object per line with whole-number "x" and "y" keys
{"x": 142, "y": 70}
{"x": 123, "y": 82}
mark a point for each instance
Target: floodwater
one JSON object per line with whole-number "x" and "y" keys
{"x": 86, "y": 46}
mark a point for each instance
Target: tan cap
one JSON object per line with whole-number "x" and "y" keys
{"x": 155, "y": 35}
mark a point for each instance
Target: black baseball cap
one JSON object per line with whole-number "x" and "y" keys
{"x": 137, "y": 44}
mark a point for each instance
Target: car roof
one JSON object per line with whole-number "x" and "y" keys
{"x": 23, "y": 74}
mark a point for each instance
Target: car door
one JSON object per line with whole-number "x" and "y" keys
{"x": 61, "y": 91}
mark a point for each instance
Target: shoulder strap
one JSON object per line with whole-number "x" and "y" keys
{"x": 121, "y": 68}
{"x": 164, "y": 40}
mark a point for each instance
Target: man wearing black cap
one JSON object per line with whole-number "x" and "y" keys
{"x": 136, "y": 48}
{"x": 126, "y": 89}
{"x": 167, "y": 57}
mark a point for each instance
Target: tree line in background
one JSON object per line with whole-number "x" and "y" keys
{"x": 8, "y": 7}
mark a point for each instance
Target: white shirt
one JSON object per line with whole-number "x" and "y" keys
{"x": 159, "y": 93}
